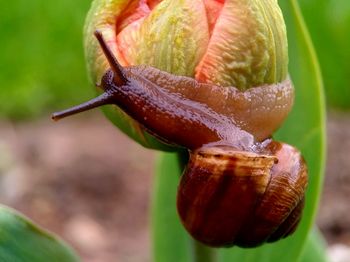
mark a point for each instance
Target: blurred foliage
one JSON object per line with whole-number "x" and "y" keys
{"x": 329, "y": 25}
{"x": 21, "y": 240}
{"x": 42, "y": 63}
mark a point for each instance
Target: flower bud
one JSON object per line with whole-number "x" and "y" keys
{"x": 239, "y": 43}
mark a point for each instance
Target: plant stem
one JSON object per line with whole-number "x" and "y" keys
{"x": 201, "y": 253}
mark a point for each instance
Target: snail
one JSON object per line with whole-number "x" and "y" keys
{"x": 239, "y": 187}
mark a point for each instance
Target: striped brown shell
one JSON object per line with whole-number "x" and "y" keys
{"x": 228, "y": 197}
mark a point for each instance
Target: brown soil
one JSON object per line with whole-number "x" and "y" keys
{"x": 334, "y": 214}
{"x": 84, "y": 180}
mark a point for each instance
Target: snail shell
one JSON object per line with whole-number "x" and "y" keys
{"x": 228, "y": 197}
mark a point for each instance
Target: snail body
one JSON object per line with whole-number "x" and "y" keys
{"x": 239, "y": 187}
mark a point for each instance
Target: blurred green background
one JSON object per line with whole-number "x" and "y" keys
{"x": 42, "y": 64}
{"x": 329, "y": 25}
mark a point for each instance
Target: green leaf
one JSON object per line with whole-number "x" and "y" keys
{"x": 315, "y": 249}
{"x": 22, "y": 241}
{"x": 305, "y": 128}
{"x": 329, "y": 23}
{"x": 170, "y": 240}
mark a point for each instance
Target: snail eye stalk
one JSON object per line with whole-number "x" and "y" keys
{"x": 119, "y": 77}
{"x": 105, "y": 98}
{"x": 101, "y": 100}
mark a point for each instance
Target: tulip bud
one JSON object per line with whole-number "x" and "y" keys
{"x": 239, "y": 43}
